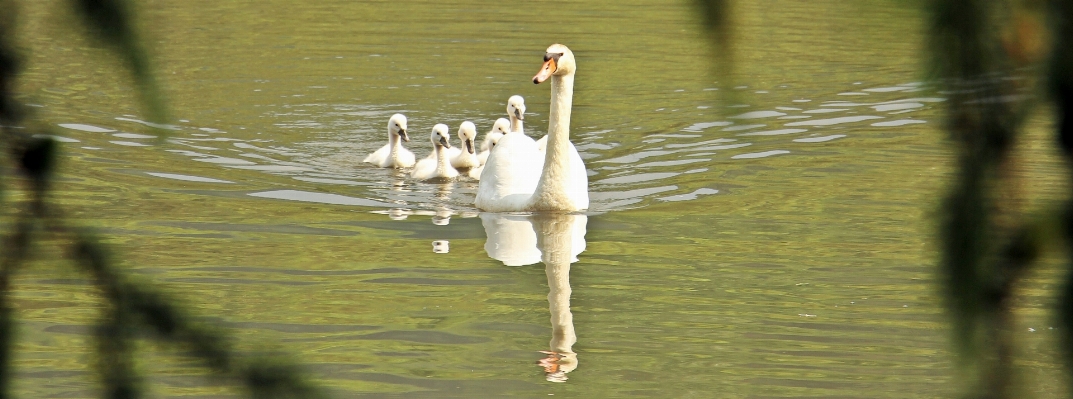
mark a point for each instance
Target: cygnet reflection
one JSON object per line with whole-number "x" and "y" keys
{"x": 442, "y": 217}
{"x": 398, "y": 213}
{"x": 441, "y": 246}
{"x": 443, "y": 191}
{"x": 555, "y": 240}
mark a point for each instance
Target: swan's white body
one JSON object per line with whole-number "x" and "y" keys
{"x": 518, "y": 177}
{"x": 465, "y": 155}
{"x": 393, "y": 155}
{"x": 436, "y": 165}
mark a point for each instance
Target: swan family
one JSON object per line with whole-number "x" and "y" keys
{"x": 515, "y": 172}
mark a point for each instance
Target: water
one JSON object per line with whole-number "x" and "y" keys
{"x": 765, "y": 238}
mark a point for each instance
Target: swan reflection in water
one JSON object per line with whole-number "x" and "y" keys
{"x": 555, "y": 240}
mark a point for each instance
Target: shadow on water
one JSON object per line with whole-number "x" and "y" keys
{"x": 555, "y": 240}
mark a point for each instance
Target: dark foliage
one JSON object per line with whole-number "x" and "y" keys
{"x": 134, "y": 309}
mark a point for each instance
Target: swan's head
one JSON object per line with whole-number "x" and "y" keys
{"x": 467, "y": 132}
{"x": 558, "y": 60}
{"x": 396, "y": 126}
{"x": 441, "y": 136}
{"x": 516, "y": 107}
{"x": 502, "y": 126}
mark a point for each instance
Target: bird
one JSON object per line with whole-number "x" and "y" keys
{"x": 436, "y": 165}
{"x": 465, "y": 155}
{"x": 516, "y": 112}
{"x": 393, "y": 155}
{"x": 518, "y": 177}
{"x": 499, "y": 128}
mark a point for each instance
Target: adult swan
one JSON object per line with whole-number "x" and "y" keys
{"x": 520, "y": 178}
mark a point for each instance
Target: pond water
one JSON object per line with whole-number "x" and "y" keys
{"x": 762, "y": 237}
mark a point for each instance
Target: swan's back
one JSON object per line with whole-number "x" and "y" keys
{"x": 577, "y": 185}
{"x": 403, "y": 158}
{"x": 510, "y": 176}
{"x": 379, "y": 157}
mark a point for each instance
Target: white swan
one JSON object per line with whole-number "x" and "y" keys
{"x": 499, "y": 128}
{"x": 542, "y": 143}
{"x": 393, "y": 155}
{"x": 516, "y": 112}
{"x": 518, "y": 177}
{"x": 465, "y": 155}
{"x": 436, "y": 165}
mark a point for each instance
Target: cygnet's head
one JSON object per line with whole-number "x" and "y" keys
{"x": 501, "y": 126}
{"x": 516, "y": 107}
{"x": 441, "y": 136}
{"x": 396, "y": 126}
{"x": 558, "y": 60}
{"x": 467, "y": 132}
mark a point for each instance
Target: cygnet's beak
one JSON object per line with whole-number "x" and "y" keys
{"x": 545, "y": 71}
{"x": 443, "y": 142}
{"x": 518, "y": 113}
{"x": 402, "y": 134}
{"x": 469, "y": 145}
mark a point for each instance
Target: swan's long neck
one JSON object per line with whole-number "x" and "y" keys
{"x": 551, "y": 192}
{"x": 394, "y": 141}
{"x": 515, "y": 124}
{"x": 442, "y": 160}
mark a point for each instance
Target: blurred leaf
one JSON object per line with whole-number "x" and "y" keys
{"x": 112, "y": 23}
{"x": 716, "y": 16}
{"x": 9, "y": 63}
{"x": 39, "y": 157}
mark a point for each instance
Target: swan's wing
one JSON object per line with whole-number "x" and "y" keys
{"x": 542, "y": 144}
{"x": 510, "y": 176}
{"x": 578, "y": 185}
{"x": 379, "y": 156}
{"x": 425, "y": 168}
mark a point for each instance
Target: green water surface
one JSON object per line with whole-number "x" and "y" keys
{"x": 775, "y": 242}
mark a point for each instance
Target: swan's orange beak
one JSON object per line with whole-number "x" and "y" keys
{"x": 545, "y": 71}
